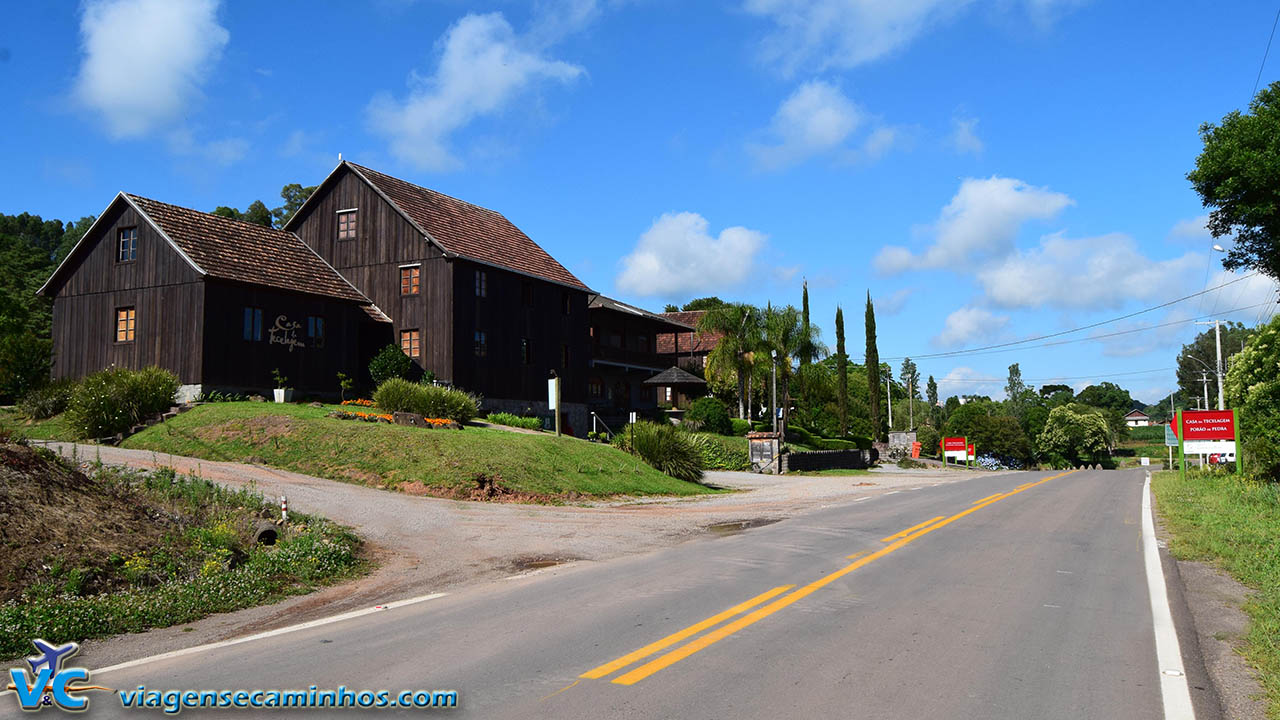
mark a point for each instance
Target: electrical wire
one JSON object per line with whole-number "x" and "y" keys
{"x": 1267, "y": 52}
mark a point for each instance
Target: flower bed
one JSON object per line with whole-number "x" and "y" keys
{"x": 367, "y": 417}
{"x": 359, "y": 401}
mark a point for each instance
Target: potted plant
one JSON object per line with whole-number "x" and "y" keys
{"x": 283, "y": 394}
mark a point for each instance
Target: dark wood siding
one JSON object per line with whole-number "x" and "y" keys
{"x": 371, "y": 262}
{"x": 235, "y": 363}
{"x": 506, "y": 319}
{"x": 165, "y": 290}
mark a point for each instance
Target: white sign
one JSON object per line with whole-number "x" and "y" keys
{"x": 1146, "y": 461}
{"x": 551, "y": 393}
{"x": 1208, "y": 447}
{"x": 957, "y": 454}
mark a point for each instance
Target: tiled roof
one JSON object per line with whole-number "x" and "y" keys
{"x": 469, "y": 230}
{"x": 675, "y": 376}
{"x": 600, "y": 302}
{"x": 245, "y": 252}
{"x": 699, "y": 342}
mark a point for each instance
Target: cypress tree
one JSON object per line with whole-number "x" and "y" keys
{"x": 842, "y": 371}
{"x": 873, "y": 370}
{"x": 806, "y": 348}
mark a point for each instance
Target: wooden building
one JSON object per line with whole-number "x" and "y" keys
{"x": 221, "y": 303}
{"x": 471, "y": 298}
{"x": 623, "y": 357}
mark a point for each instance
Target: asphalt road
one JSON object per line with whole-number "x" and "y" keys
{"x": 1024, "y": 604}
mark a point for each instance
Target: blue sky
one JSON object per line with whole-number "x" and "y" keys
{"x": 988, "y": 171}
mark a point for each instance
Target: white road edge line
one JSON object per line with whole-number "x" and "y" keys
{"x": 1174, "y": 693}
{"x": 271, "y": 633}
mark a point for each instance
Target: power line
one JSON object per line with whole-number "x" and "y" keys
{"x": 1060, "y": 377}
{"x": 1254, "y": 94}
{"x": 970, "y": 351}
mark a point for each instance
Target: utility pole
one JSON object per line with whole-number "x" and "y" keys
{"x": 1217, "y": 334}
{"x": 889, "y": 392}
{"x": 773, "y": 403}
{"x": 1204, "y": 382}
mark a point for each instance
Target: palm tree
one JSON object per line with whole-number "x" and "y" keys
{"x": 739, "y": 326}
{"x": 786, "y": 334}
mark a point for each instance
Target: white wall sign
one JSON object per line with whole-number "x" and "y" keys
{"x": 1208, "y": 447}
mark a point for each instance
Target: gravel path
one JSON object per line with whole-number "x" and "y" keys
{"x": 428, "y": 544}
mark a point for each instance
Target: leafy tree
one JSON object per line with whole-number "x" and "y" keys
{"x": 949, "y": 408}
{"x": 1013, "y": 390}
{"x": 390, "y": 362}
{"x": 1060, "y": 398}
{"x": 786, "y": 335}
{"x": 669, "y": 308}
{"x": 1253, "y": 387}
{"x": 1001, "y": 436}
{"x": 1049, "y": 390}
{"x": 1201, "y": 356}
{"x": 931, "y": 392}
{"x": 1238, "y": 175}
{"x": 1033, "y": 419}
{"x": 704, "y": 303}
{"x": 258, "y": 214}
{"x": 711, "y": 415}
{"x": 74, "y": 231}
{"x": 842, "y": 373}
{"x": 962, "y": 420}
{"x": 873, "y": 378}
{"x": 1073, "y": 433}
{"x": 294, "y": 195}
{"x": 740, "y": 328}
{"x": 227, "y": 212}
{"x": 1106, "y": 395}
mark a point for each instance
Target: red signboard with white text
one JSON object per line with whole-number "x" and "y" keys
{"x": 953, "y": 443}
{"x": 1208, "y": 425}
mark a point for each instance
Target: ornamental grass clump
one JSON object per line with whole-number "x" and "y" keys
{"x": 433, "y": 401}
{"x": 664, "y": 447}
{"x": 113, "y": 400}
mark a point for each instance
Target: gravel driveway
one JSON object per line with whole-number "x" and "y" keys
{"x": 426, "y": 544}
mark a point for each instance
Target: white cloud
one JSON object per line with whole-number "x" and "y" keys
{"x": 816, "y": 118}
{"x": 1086, "y": 273}
{"x": 678, "y": 256}
{"x": 967, "y": 381}
{"x": 964, "y": 136}
{"x": 893, "y": 303}
{"x": 1191, "y": 230}
{"x": 880, "y": 141}
{"x": 484, "y": 67}
{"x": 226, "y": 151}
{"x": 1243, "y": 294}
{"x": 968, "y": 324}
{"x": 145, "y": 60}
{"x": 841, "y": 34}
{"x": 982, "y": 220}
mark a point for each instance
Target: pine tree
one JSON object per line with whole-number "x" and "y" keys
{"x": 873, "y": 370}
{"x": 842, "y": 370}
{"x": 806, "y": 352}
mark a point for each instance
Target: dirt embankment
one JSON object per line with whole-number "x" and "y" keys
{"x": 57, "y": 524}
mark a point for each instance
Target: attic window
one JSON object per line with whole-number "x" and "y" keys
{"x": 346, "y": 224}
{"x": 127, "y": 247}
{"x": 410, "y": 279}
{"x": 482, "y": 284}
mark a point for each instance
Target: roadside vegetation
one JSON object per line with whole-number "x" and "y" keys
{"x": 1219, "y": 518}
{"x": 115, "y": 551}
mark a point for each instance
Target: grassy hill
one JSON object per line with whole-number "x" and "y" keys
{"x": 473, "y": 463}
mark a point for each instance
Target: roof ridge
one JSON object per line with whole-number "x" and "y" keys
{"x": 424, "y": 188}
{"x": 217, "y": 218}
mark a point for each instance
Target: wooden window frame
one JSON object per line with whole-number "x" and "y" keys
{"x": 133, "y": 245}
{"x": 481, "y": 344}
{"x": 482, "y": 283}
{"x": 347, "y": 224}
{"x": 411, "y": 342}
{"x": 526, "y": 351}
{"x": 252, "y": 322}
{"x": 316, "y": 331}
{"x": 410, "y": 280}
{"x": 566, "y": 304}
{"x": 127, "y": 314}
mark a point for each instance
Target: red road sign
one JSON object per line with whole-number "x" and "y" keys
{"x": 955, "y": 444}
{"x": 1208, "y": 425}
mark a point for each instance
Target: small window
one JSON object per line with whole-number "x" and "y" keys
{"x": 596, "y": 388}
{"x": 253, "y": 324}
{"x": 315, "y": 331}
{"x": 566, "y": 303}
{"x": 127, "y": 247}
{"x": 347, "y": 225}
{"x": 642, "y": 343}
{"x": 410, "y": 280}
{"x": 482, "y": 284}
{"x": 126, "y": 319}
{"x": 482, "y": 344}
{"x": 410, "y": 343}
{"x": 564, "y": 355}
{"x": 526, "y": 351}
{"x": 526, "y": 293}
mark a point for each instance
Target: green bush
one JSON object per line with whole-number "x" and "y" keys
{"x": 113, "y": 400}
{"x": 47, "y": 401}
{"x": 721, "y": 453}
{"x": 709, "y": 414}
{"x": 1253, "y": 388}
{"x": 664, "y": 447}
{"x": 389, "y": 363}
{"x": 740, "y": 427}
{"x": 929, "y": 438}
{"x": 433, "y": 401}
{"x": 511, "y": 420}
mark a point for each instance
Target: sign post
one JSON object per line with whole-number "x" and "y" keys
{"x": 955, "y": 447}
{"x": 1208, "y": 432}
{"x": 553, "y": 398}
{"x": 971, "y": 461}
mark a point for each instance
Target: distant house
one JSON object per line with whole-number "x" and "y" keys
{"x": 219, "y": 302}
{"x": 1137, "y": 418}
{"x": 623, "y": 356}
{"x": 691, "y": 347}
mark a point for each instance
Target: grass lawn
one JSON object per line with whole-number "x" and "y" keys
{"x": 1234, "y": 524}
{"x": 436, "y": 461}
{"x": 14, "y": 422}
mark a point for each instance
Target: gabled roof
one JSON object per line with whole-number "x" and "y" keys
{"x": 600, "y": 302}
{"x": 1136, "y": 413}
{"x": 228, "y": 249}
{"x": 461, "y": 229}
{"x": 675, "y": 376}
{"x": 697, "y": 342}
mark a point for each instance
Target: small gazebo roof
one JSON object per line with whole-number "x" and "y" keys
{"x": 675, "y": 376}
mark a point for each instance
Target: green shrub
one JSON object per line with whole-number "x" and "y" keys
{"x": 740, "y": 427}
{"x": 1253, "y": 388}
{"x": 664, "y": 447}
{"x": 710, "y": 414}
{"x": 511, "y": 420}
{"x": 389, "y": 363}
{"x": 47, "y": 401}
{"x": 433, "y": 401}
{"x": 721, "y": 453}
{"x": 113, "y": 400}
{"x": 929, "y": 438}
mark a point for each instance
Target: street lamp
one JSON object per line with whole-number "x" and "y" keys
{"x": 773, "y": 403}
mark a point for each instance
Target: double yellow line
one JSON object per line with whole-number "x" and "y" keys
{"x": 897, "y": 540}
